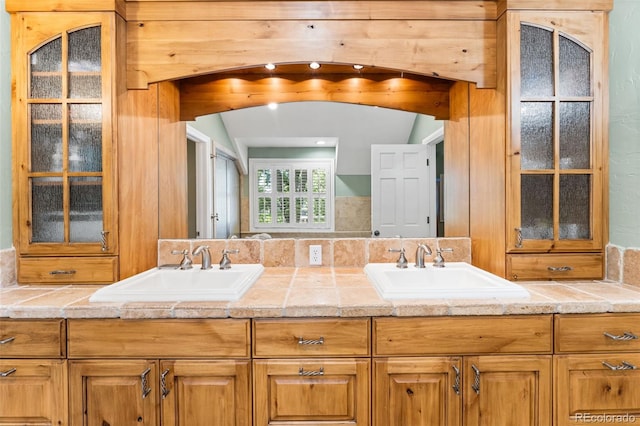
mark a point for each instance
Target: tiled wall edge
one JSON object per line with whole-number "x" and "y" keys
{"x": 7, "y": 267}
{"x": 623, "y": 264}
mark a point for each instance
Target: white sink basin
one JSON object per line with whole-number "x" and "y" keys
{"x": 168, "y": 285}
{"x": 457, "y": 280}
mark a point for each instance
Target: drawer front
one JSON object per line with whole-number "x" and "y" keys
{"x": 522, "y": 267}
{"x": 597, "y": 389}
{"x": 32, "y": 338}
{"x": 65, "y": 270}
{"x": 314, "y": 337}
{"x": 159, "y": 338}
{"x": 312, "y": 392}
{"x": 597, "y": 333}
{"x": 462, "y": 335}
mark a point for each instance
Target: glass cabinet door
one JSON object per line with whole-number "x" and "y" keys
{"x": 66, "y": 141}
{"x": 555, "y": 144}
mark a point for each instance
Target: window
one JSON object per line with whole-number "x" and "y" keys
{"x": 291, "y": 195}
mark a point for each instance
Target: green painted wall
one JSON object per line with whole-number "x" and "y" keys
{"x": 212, "y": 126}
{"x": 624, "y": 130}
{"x": 424, "y": 126}
{"x": 5, "y": 129}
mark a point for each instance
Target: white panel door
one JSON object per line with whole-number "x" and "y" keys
{"x": 403, "y": 190}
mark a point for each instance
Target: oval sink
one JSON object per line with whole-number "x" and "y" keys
{"x": 457, "y": 280}
{"x": 169, "y": 285}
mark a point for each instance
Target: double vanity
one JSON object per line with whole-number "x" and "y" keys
{"x": 332, "y": 345}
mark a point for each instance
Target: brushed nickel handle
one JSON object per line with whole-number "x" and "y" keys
{"x": 456, "y": 380}
{"x": 8, "y": 372}
{"x": 624, "y": 365}
{"x": 163, "y": 384}
{"x": 627, "y": 335}
{"x": 303, "y": 341}
{"x": 518, "y": 237}
{"x": 7, "y": 340}
{"x": 476, "y": 380}
{"x": 559, "y": 268}
{"x": 63, "y": 272}
{"x": 104, "y": 243}
{"x": 144, "y": 382}
{"x": 302, "y": 372}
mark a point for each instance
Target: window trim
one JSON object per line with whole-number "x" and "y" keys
{"x": 291, "y": 163}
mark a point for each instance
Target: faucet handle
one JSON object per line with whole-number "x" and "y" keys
{"x": 230, "y": 251}
{"x": 438, "y": 261}
{"x": 402, "y": 259}
{"x": 225, "y": 262}
{"x": 186, "y": 262}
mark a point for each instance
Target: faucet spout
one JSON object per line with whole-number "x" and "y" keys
{"x": 206, "y": 256}
{"x": 422, "y": 251}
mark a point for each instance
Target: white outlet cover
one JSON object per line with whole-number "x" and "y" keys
{"x": 315, "y": 255}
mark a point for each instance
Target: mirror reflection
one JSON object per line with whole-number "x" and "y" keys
{"x": 315, "y": 169}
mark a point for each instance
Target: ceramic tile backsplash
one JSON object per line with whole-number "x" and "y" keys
{"x": 631, "y": 267}
{"x": 614, "y": 263}
{"x": 338, "y": 253}
{"x": 7, "y": 267}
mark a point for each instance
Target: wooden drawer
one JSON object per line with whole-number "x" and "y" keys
{"x": 597, "y": 333}
{"x": 32, "y": 338}
{"x": 65, "y": 270}
{"x": 313, "y": 337}
{"x": 158, "y": 338}
{"x": 462, "y": 335}
{"x": 522, "y": 267}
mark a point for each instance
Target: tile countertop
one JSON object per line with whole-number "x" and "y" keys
{"x": 319, "y": 292}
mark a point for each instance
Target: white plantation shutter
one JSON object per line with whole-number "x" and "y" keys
{"x": 291, "y": 195}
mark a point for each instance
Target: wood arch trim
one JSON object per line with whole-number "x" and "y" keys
{"x": 234, "y": 90}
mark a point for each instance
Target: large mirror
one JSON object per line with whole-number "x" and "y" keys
{"x": 332, "y": 152}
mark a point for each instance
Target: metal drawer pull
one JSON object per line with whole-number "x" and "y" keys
{"x": 7, "y": 340}
{"x": 163, "y": 384}
{"x": 456, "y": 380}
{"x": 476, "y": 381}
{"x": 302, "y": 341}
{"x": 627, "y": 335}
{"x": 560, "y": 268}
{"x": 8, "y": 372}
{"x": 624, "y": 365}
{"x": 144, "y": 381}
{"x": 320, "y": 372}
{"x": 63, "y": 272}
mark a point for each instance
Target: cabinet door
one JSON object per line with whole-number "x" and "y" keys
{"x": 63, "y": 143}
{"x": 311, "y": 392}
{"x": 122, "y": 393}
{"x": 194, "y": 393}
{"x": 33, "y": 392}
{"x": 600, "y": 389}
{"x": 417, "y": 392}
{"x": 507, "y": 390}
{"x": 557, "y": 138}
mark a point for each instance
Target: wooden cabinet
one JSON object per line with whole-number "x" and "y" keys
{"x": 64, "y": 147}
{"x": 33, "y": 372}
{"x": 152, "y": 372}
{"x": 474, "y": 389}
{"x": 328, "y": 383}
{"x": 597, "y": 370}
{"x": 557, "y": 144}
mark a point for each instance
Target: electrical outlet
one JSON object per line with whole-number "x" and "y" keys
{"x": 315, "y": 255}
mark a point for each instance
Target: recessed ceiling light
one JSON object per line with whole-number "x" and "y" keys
{"x": 270, "y": 67}
{"x": 320, "y": 142}
{"x": 272, "y": 106}
{"x": 358, "y": 67}
{"x": 314, "y": 65}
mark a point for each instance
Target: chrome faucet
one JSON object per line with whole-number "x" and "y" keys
{"x": 206, "y": 256}
{"x": 421, "y": 251}
{"x": 225, "y": 262}
{"x": 186, "y": 262}
{"x": 402, "y": 259}
{"x": 438, "y": 261}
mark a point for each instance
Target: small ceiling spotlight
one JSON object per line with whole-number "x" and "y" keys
{"x": 358, "y": 67}
{"x": 320, "y": 142}
{"x": 270, "y": 66}
{"x": 272, "y": 106}
{"x": 314, "y": 65}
